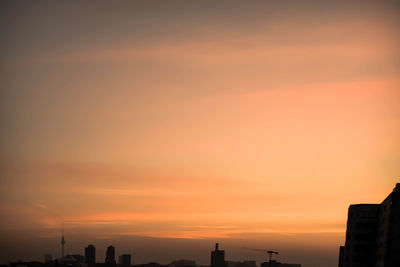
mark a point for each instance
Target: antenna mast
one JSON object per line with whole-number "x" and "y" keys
{"x": 62, "y": 242}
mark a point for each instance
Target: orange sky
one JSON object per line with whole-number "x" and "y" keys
{"x": 252, "y": 123}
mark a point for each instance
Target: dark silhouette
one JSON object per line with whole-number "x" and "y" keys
{"x": 110, "y": 256}
{"x": 124, "y": 260}
{"x": 90, "y": 255}
{"x": 68, "y": 261}
{"x": 218, "y": 257}
{"x": 341, "y": 256}
{"x": 79, "y": 258}
{"x": 241, "y": 264}
{"x": 274, "y": 263}
{"x": 271, "y": 262}
{"x": 48, "y": 258}
{"x": 62, "y": 243}
{"x": 361, "y": 235}
{"x": 373, "y": 234}
{"x": 151, "y": 264}
{"x": 27, "y": 263}
{"x": 388, "y": 239}
{"x": 183, "y": 263}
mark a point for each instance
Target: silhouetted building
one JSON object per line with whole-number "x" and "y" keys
{"x": 373, "y": 234}
{"x": 151, "y": 264}
{"x": 124, "y": 260}
{"x": 341, "y": 256}
{"x": 361, "y": 235}
{"x": 218, "y": 257}
{"x": 274, "y": 263}
{"x": 241, "y": 264}
{"x": 388, "y": 238}
{"x": 68, "y": 261}
{"x": 26, "y": 264}
{"x": 48, "y": 258}
{"x": 110, "y": 256}
{"x": 79, "y": 258}
{"x": 90, "y": 255}
{"x": 183, "y": 263}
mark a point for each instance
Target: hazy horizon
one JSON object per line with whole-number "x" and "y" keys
{"x": 162, "y": 127}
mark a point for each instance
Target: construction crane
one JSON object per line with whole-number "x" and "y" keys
{"x": 269, "y": 252}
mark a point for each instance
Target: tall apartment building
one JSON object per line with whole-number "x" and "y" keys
{"x": 110, "y": 256}
{"x": 388, "y": 238}
{"x": 341, "y": 256}
{"x": 362, "y": 222}
{"x": 373, "y": 234}
{"x": 90, "y": 255}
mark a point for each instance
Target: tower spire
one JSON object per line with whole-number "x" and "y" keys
{"x": 62, "y": 242}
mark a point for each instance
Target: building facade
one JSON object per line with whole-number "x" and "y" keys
{"x": 373, "y": 234}
{"x": 362, "y": 222}
{"x": 110, "y": 256}
{"x": 388, "y": 238}
{"x": 274, "y": 263}
{"x": 124, "y": 260}
{"x": 90, "y": 255}
{"x": 79, "y": 258}
{"x": 341, "y": 256}
{"x": 218, "y": 257}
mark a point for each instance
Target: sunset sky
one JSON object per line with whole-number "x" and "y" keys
{"x": 162, "y": 127}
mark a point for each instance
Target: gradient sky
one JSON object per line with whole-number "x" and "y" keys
{"x": 162, "y": 127}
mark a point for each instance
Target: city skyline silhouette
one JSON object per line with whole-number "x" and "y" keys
{"x": 368, "y": 225}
